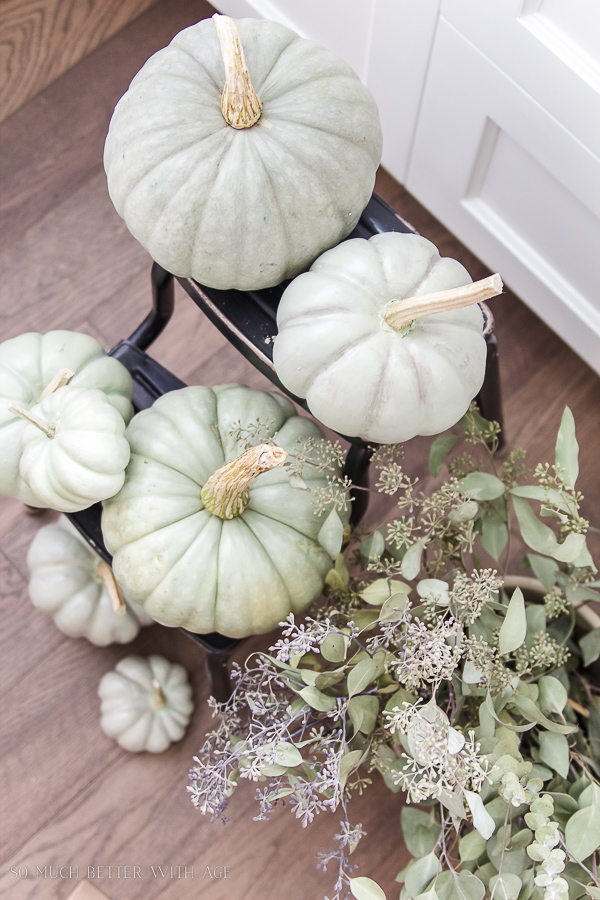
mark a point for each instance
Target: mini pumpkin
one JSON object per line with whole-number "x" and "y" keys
{"x": 382, "y": 338}
{"x": 146, "y": 704}
{"x": 74, "y": 449}
{"x": 72, "y": 584}
{"x": 237, "y": 158}
{"x": 34, "y": 364}
{"x": 199, "y": 536}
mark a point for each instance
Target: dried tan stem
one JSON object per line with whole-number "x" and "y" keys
{"x": 400, "y": 313}
{"x": 240, "y": 104}
{"x": 49, "y": 428}
{"x": 225, "y": 494}
{"x": 104, "y": 571}
{"x": 159, "y": 698}
{"x": 62, "y": 378}
{"x": 578, "y": 708}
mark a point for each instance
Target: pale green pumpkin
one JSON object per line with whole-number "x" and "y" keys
{"x": 29, "y": 366}
{"x": 248, "y": 204}
{"x": 383, "y": 339}
{"x": 185, "y": 564}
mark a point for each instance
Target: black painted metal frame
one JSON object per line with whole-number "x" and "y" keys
{"x": 249, "y": 321}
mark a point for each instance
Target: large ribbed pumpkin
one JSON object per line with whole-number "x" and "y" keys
{"x": 244, "y": 205}
{"x": 174, "y": 552}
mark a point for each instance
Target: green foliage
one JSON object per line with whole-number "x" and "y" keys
{"x": 467, "y": 695}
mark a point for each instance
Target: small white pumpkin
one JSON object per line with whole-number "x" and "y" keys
{"x": 357, "y": 338}
{"x": 71, "y": 583}
{"x": 33, "y": 364}
{"x": 146, "y": 704}
{"x": 239, "y": 201}
{"x": 74, "y": 449}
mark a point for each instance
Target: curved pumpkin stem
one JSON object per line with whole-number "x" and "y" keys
{"x": 225, "y": 494}
{"x": 401, "y": 313}
{"x": 61, "y": 379}
{"x": 159, "y": 698}
{"x": 104, "y": 571}
{"x": 240, "y": 104}
{"x": 48, "y": 428}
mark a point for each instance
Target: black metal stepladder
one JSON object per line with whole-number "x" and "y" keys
{"x": 249, "y": 321}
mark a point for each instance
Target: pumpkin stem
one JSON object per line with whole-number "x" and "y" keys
{"x": 159, "y": 698}
{"x": 240, "y": 104}
{"x": 49, "y": 428}
{"x": 104, "y": 571}
{"x": 62, "y": 377}
{"x": 225, "y": 494}
{"x": 400, "y": 313}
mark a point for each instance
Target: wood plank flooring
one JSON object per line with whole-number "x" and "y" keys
{"x": 70, "y": 797}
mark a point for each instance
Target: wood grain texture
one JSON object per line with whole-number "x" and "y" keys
{"x": 70, "y": 795}
{"x": 41, "y": 39}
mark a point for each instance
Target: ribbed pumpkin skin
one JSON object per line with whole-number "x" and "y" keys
{"x": 27, "y": 364}
{"x": 358, "y": 375}
{"x": 243, "y": 208}
{"x": 188, "y": 567}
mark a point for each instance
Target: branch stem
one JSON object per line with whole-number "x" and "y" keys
{"x": 62, "y": 378}
{"x": 400, "y": 313}
{"x": 159, "y": 698}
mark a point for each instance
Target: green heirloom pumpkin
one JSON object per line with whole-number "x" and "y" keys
{"x": 33, "y": 364}
{"x": 357, "y": 338}
{"x": 177, "y": 552}
{"x": 235, "y": 201}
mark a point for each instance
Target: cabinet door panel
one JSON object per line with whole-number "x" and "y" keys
{"x": 551, "y": 48}
{"x": 514, "y": 185}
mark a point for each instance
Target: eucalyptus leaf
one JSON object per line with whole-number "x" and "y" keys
{"x": 506, "y": 886}
{"x": 542, "y": 539}
{"x": 420, "y": 872}
{"x": 440, "y": 448}
{"x": 394, "y": 608}
{"x": 482, "y": 820}
{"x": 361, "y": 676}
{"x": 582, "y": 832}
{"x": 459, "y": 886}
{"x": 363, "y": 888}
{"x": 532, "y": 712}
{"x": 554, "y": 750}
{"x": 552, "y": 694}
{"x": 349, "y": 762}
{"x": 481, "y": 486}
{"x": 494, "y": 535}
{"x": 373, "y": 546}
{"x": 514, "y": 627}
{"x": 317, "y": 699}
{"x": 363, "y": 711}
{"x": 331, "y": 534}
{"x": 471, "y": 846}
{"x": 567, "y": 449}
{"x": 297, "y": 482}
{"x": 590, "y": 646}
{"x": 419, "y": 829}
{"x": 333, "y": 647}
{"x": 544, "y": 569}
{"x": 411, "y": 562}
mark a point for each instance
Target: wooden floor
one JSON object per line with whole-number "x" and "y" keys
{"x": 70, "y": 796}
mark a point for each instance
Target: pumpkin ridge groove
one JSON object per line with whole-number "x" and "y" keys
{"x": 374, "y": 407}
{"x": 200, "y": 219}
{"x": 266, "y": 551}
{"x": 186, "y": 549}
{"x": 277, "y": 203}
{"x": 332, "y": 360}
{"x": 264, "y": 515}
{"x": 173, "y": 196}
{"x": 183, "y": 49}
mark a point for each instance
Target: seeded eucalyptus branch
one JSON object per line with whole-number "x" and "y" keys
{"x": 465, "y": 687}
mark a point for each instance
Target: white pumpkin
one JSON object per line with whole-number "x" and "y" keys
{"x": 74, "y": 449}
{"x": 242, "y": 205}
{"x": 237, "y": 559}
{"x": 71, "y": 583}
{"x": 363, "y": 372}
{"x": 146, "y": 704}
{"x": 29, "y": 365}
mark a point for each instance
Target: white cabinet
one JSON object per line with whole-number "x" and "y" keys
{"x": 491, "y": 118}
